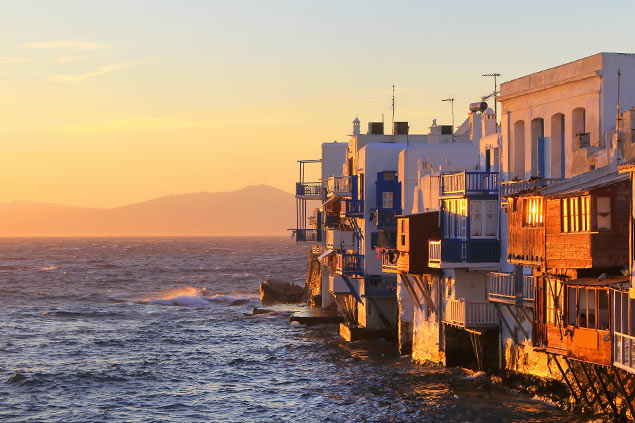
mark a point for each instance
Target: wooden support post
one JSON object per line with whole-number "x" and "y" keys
{"x": 518, "y": 322}
{"x": 593, "y": 388}
{"x": 411, "y": 289}
{"x": 566, "y": 379}
{"x": 606, "y": 391}
{"x": 426, "y": 292}
{"x": 577, "y": 382}
{"x": 477, "y": 346}
{"x": 622, "y": 390}
{"x": 502, "y": 318}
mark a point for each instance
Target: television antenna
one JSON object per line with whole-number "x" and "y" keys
{"x": 495, "y": 75}
{"x": 451, "y": 100}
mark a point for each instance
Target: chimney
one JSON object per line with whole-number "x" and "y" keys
{"x": 376, "y": 128}
{"x": 400, "y": 128}
{"x": 488, "y": 123}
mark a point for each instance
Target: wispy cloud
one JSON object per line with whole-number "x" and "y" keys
{"x": 102, "y": 70}
{"x": 68, "y": 59}
{"x": 75, "y": 45}
{"x": 8, "y": 59}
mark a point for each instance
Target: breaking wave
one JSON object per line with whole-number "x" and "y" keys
{"x": 193, "y": 297}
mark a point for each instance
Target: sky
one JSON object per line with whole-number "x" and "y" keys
{"x": 105, "y": 103}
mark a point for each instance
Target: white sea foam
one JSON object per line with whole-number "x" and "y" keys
{"x": 49, "y": 268}
{"x": 193, "y": 297}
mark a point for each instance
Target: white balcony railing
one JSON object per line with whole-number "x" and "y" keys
{"x": 339, "y": 185}
{"x": 340, "y": 240}
{"x": 624, "y": 355}
{"x": 502, "y": 286}
{"x": 471, "y": 313}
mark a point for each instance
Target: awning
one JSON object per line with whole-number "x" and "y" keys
{"x": 608, "y": 281}
{"x": 325, "y": 254}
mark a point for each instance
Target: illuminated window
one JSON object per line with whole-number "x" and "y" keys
{"x": 455, "y": 218}
{"x": 387, "y": 200}
{"x": 533, "y": 211}
{"x": 576, "y": 214}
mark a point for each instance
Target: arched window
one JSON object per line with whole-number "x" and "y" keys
{"x": 581, "y": 137}
{"x": 518, "y": 150}
{"x": 557, "y": 164}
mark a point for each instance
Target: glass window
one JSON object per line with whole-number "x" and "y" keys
{"x": 576, "y": 214}
{"x": 387, "y": 200}
{"x": 572, "y": 306}
{"x": 532, "y": 212}
{"x": 604, "y": 213}
{"x": 603, "y": 309}
{"x": 491, "y": 218}
{"x": 582, "y": 308}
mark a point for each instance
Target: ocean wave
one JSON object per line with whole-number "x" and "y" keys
{"x": 193, "y": 297}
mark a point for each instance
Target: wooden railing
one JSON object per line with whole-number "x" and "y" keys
{"x": 339, "y": 185}
{"x": 389, "y": 259}
{"x": 469, "y": 182}
{"x": 509, "y": 188}
{"x": 471, "y": 313}
{"x": 385, "y": 218}
{"x": 308, "y": 235}
{"x": 308, "y": 189}
{"x": 350, "y": 264}
{"x": 502, "y": 286}
{"x": 464, "y": 251}
{"x": 353, "y": 208}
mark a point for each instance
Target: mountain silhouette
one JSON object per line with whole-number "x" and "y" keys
{"x": 256, "y": 210}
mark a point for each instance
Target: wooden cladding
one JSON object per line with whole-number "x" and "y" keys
{"x": 525, "y": 243}
{"x": 413, "y": 233}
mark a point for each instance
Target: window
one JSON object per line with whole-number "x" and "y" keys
{"x": 386, "y": 200}
{"x": 533, "y": 211}
{"x": 604, "y": 213}
{"x": 483, "y": 218}
{"x": 572, "y": 306}
{"x": 576, "y": 214}
{"x": 591, "y": 310}
{"x": 454, "y": 218}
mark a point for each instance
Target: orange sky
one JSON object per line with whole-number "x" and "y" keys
{"x": 108, "y": 103}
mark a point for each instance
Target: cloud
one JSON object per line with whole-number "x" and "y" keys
{"x": 102, "y": 70}
{"x": 68, "y": 59}
{"x": 8, "y": 59}
{"x": 75, "y": 45}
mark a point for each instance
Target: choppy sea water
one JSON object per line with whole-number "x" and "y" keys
{"x": 153, "y": 330}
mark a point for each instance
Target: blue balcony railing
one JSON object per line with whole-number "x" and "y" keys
{"x": 380, "y": 286}
{"x": 385, "y": 218}
{"x": 308, "y": 235}
{"x": 464, "y": 251}
{"x": 308, "y": 189}
{"x": 349, "y": 264}
{"x": 463, "y": 183}
{"x": 353, "y": 208}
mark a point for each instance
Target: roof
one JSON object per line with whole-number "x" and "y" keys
{"x": 627, "y": 167}
{"x": 595, "y": 179}
{"x": 611, "y": 280}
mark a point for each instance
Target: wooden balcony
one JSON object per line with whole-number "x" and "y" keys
{"x": 465, "y": 183}
{"x": 385, "y": 218}
{"x": 340, "y": 186}
{"x": 511, "y": 188}
{"x": 340, "y": 240}
{"x": 349, "y": 265}
{"x": 353, "y": 208}
{"x": 389, "y": 261}
{"x": 308, "y": 190}
{"x": 308, "y": 235}
{"x": 477, "y": 314}
{"x": 454, "y": 253}
{"x": 502, "y": 288}
{"x": 623, "y": 330}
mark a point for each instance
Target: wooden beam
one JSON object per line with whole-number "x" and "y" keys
{"x": 606, "y": 391}
{"x": 410, "y": 289}
{"x": 518, "y": 322}
{"x": 593, "y": 388}
{"x": 529, "y": 318}
{"x": 502, "y": 318}
{"x": 622, "y": 390}
{"x": 577, "y": 381}
{"x": 566, "y": 379}
{"x": 426, "y": 292}
{"x": 350, "y": 286}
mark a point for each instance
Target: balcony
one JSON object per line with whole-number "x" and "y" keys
{"x": 511, "y": 188}
{"x": 308, "y": 235}
{"x": 470, "y": 313}
{"x": 623, "y": 308}
{"x": 465, "y": 183}
{"x": 340, "y": 186}
{"x": 308, "y": 190}
{"x": 389, "y": 259}
{"x": 349, "y": 265}
{"x": 501, "y": 287}
{"x": 340, "y": 240}
{"x": 385, "y": 218}
{"x": 454, "y": 253}
{"x": 380, "y": 286}
{"x": 352, "y": 208}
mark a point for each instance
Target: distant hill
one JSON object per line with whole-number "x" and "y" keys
{"x": 255, "y": 210}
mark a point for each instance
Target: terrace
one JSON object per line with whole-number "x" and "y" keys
{"x": 502, "y": 288}
{"x": 470, "y": 313}
{"x": 450, "y": 252}
{"x": 349, "y": 264}
{"x": 466, "y": 183}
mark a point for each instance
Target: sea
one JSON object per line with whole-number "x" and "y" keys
{"x": 159, "y": 330}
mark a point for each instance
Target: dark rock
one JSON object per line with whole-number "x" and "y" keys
{"x": 273, "y": 291}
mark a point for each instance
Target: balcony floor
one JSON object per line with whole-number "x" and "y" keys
{"x": 463, "y": 265}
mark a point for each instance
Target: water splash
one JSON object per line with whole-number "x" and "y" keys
{"x": 194, "y": 297}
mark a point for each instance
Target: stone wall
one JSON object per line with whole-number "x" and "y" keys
{"x": 314, "y": 280}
